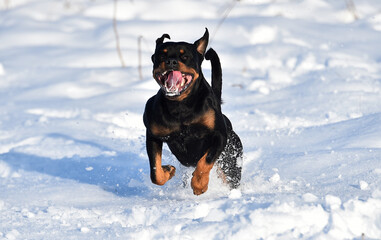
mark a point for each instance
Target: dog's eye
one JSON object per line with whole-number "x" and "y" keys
{"x": 162, "y": 58}
{"x": 184, "y": 57}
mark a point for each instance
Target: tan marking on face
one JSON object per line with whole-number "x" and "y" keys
{"x": 185, "y": 69}
{"x": 159, "y": 70}
{"x": 182, "y": 51}
{"x": 165, "y": 50}
{"x": 200, "y": 179}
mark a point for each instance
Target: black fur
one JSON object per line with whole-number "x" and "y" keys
{"x": 190, "y": 121}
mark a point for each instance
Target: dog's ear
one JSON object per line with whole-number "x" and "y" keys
{"x": 160, "y": 40}
{"x": 202, "y": 43}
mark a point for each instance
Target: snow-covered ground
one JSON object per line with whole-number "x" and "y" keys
{"x": 302, "y": 86}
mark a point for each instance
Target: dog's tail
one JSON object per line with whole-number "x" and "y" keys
{"x": 216, "y": 72}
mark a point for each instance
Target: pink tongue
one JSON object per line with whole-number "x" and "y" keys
{"x": 174, "y": 79}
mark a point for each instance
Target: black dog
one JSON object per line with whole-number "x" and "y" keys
{"x": 186, "y": 114}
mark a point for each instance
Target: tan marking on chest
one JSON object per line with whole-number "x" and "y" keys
{"x": 159, "y": 130}
{"x": 208, "y": 119}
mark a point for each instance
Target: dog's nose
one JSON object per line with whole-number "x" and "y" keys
{"x": 172, "y": 63}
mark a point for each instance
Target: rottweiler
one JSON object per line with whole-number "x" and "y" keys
{"x": 186, "y": 114}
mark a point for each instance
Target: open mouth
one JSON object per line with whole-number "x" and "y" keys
{"x": 174, "y": 82}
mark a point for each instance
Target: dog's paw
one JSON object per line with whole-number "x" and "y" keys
{"x": 170, "y": 170}
{"x": 161, "y": 176}
{"x": 200, "y": 183}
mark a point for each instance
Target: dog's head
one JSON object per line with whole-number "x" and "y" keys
{"x": 177, "y": 65}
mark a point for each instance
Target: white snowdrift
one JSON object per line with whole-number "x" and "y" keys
{"x": 302, "y": 86}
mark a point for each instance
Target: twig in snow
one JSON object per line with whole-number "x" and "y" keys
{"x": 352, "y": 8}
{"x": 140, "y": 57}
{"x": 117, "y": 36}
{"x": 225, "y": 15}
{"x": 7, "y": 3}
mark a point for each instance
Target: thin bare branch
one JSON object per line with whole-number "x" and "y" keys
{"x": 352, "y": 8}
{"x": 117, "y": 35}
{"x": 140, "y": 57}
{"x": 7, "y": 3}
{"x": 224, "y": 16}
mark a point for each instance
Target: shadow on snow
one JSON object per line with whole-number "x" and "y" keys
{"x": 119, "y": 174}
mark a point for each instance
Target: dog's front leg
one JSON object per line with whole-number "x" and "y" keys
{"x": 200, "y": 179}
{"x": 159, "y": 174}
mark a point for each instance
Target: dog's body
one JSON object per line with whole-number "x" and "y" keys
{"x": 186, "y": 114}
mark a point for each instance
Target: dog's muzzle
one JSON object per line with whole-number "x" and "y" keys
{"x": 173, "y": 83}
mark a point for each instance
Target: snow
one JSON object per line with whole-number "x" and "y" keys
{"x": 302, "y": 87}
